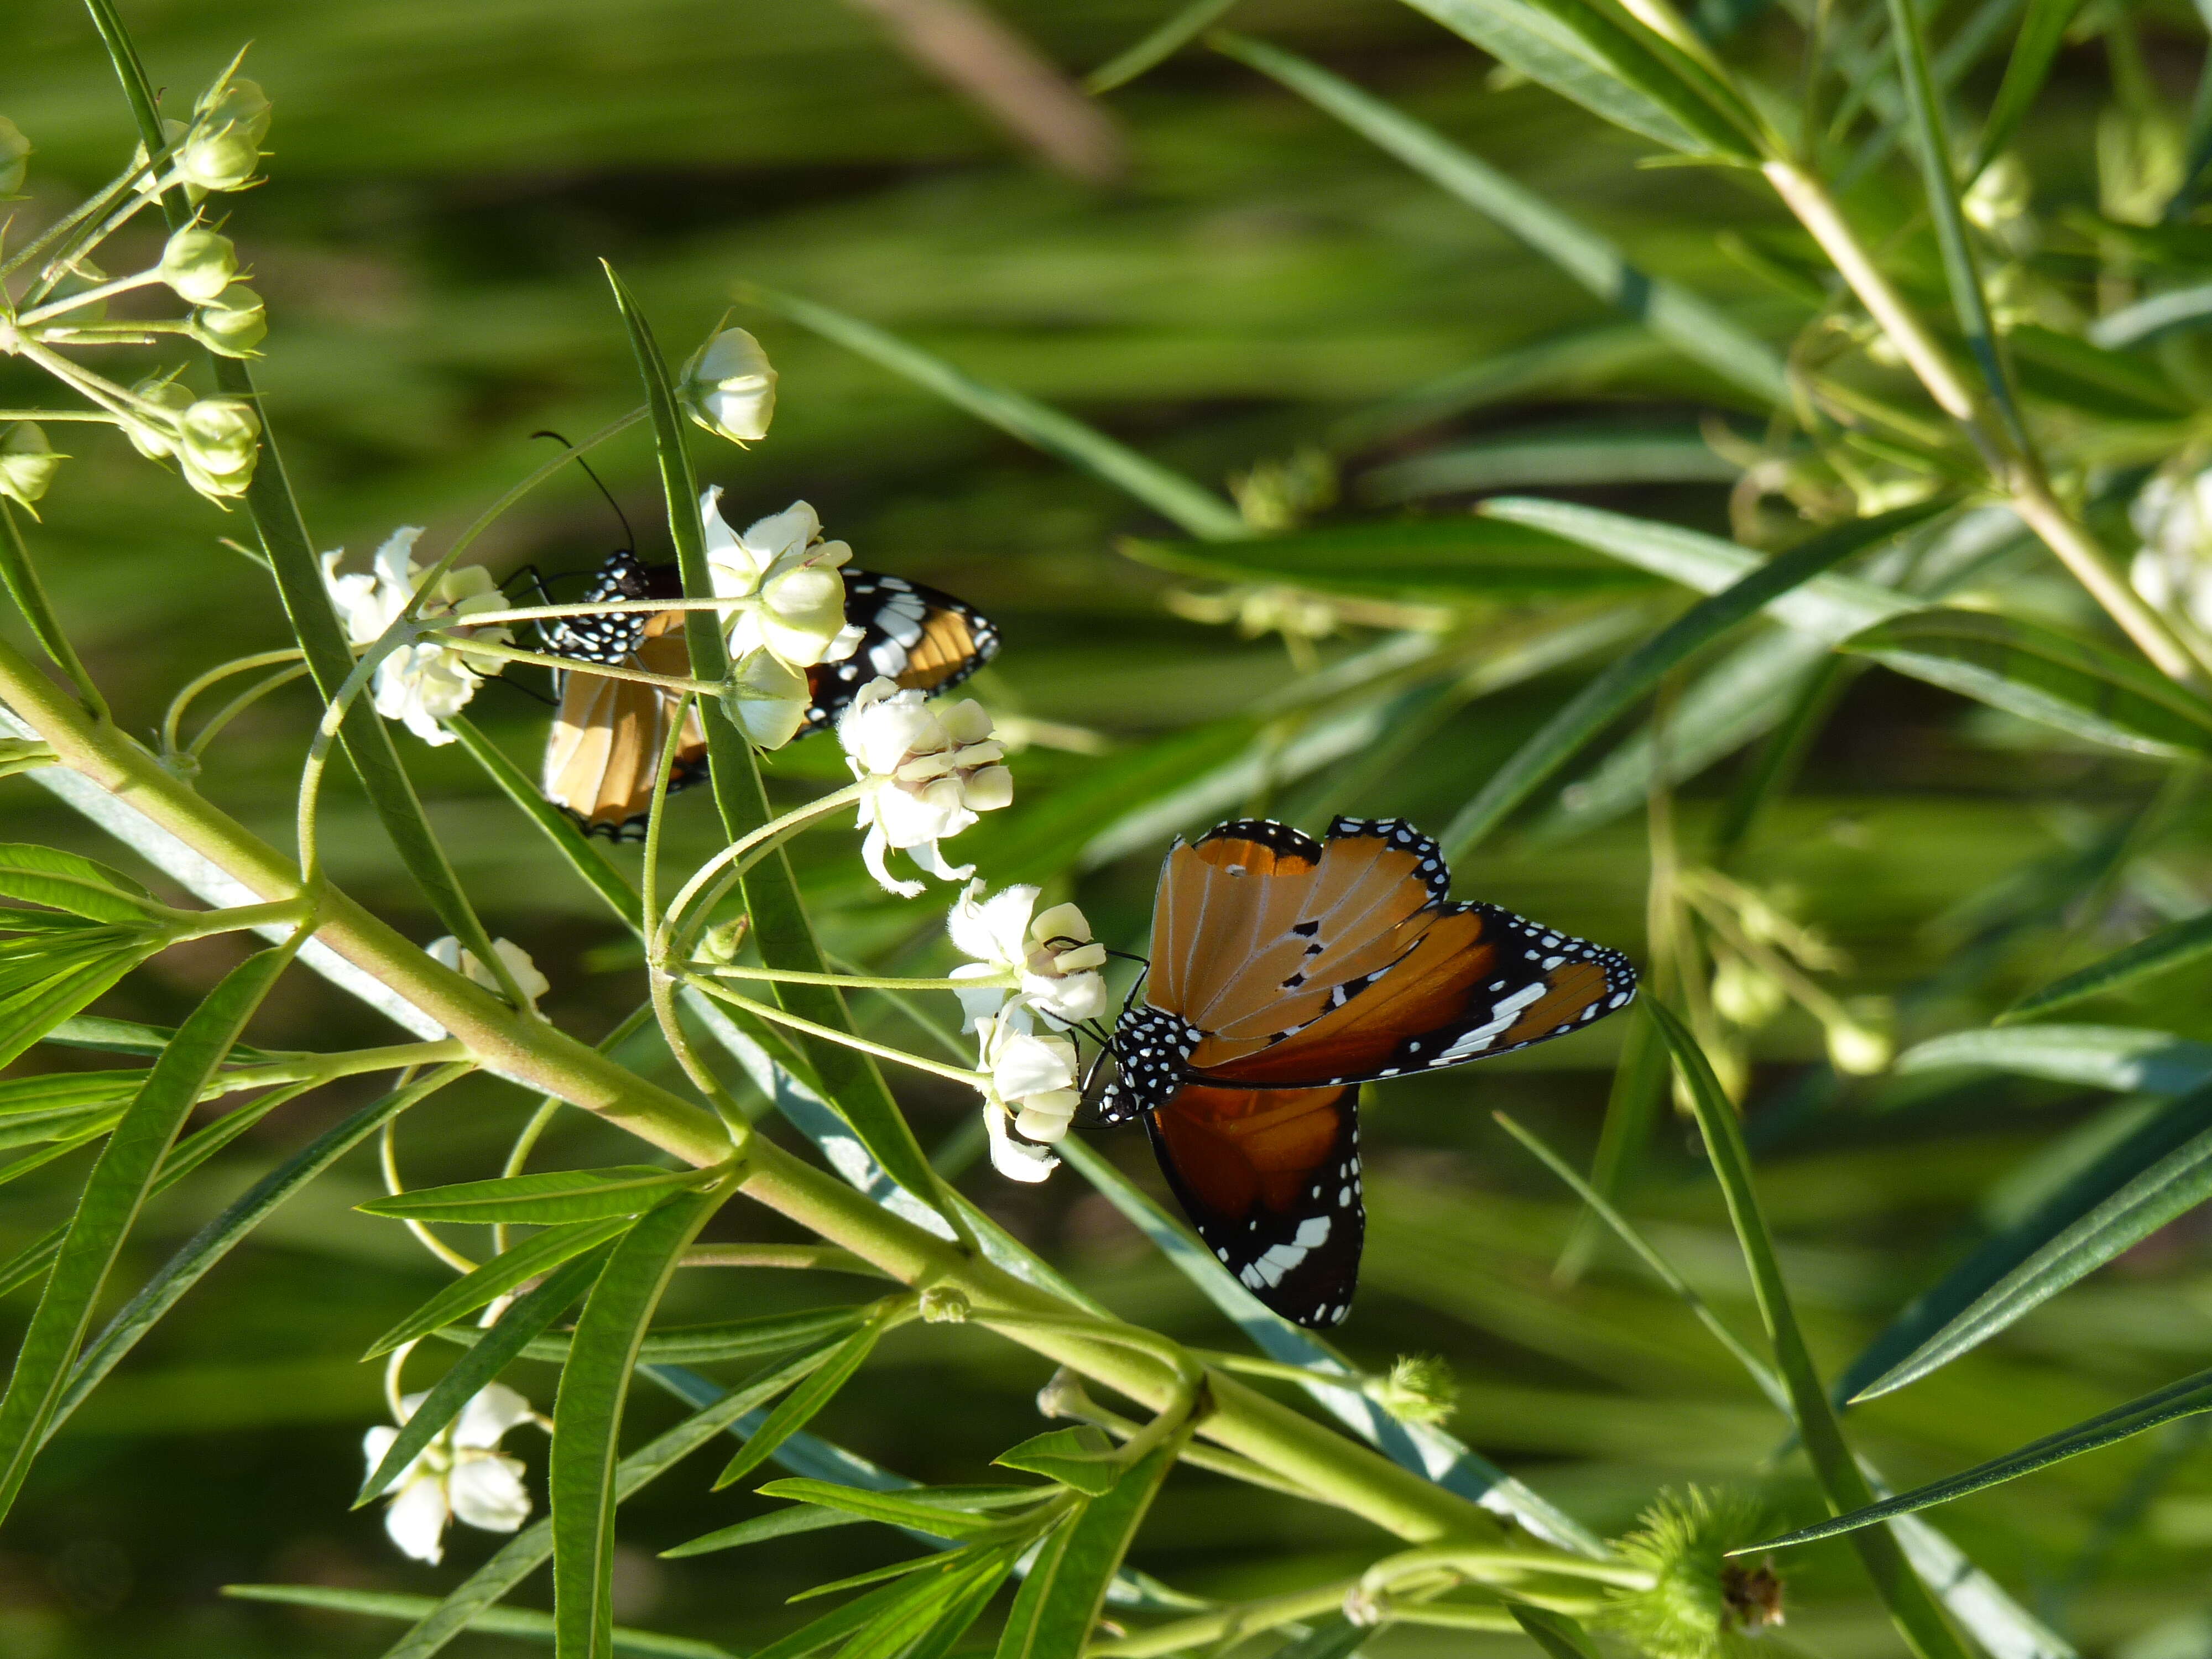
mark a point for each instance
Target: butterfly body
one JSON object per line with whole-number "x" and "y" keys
{"x": 603, "y": 750}
{"x": 1287, "y": 971}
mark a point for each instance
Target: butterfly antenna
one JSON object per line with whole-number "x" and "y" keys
{"x": 629, "y": 536}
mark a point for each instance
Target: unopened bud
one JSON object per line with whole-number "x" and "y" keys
{"x": 1860, "y": 1045}
{"x": 944, "y": 1305}
{"x": 223, "y": 150}
{"x": 1746, "y": 996}
{"x": 720, "y": 944}
{"x": 199, "y": 263}
{"x": 1420, "y": 1388}
{"x": 27, "y": 462}
{"x": 729, "y": 386}
{"x": 1065, "y": 1396}
{"x": 232, "y": 324}
{"x": 219, "y": 441}
{"x": 14, "y": 156}
{"x": 1364, "y": 1608}
{"x": 157, "y": 441}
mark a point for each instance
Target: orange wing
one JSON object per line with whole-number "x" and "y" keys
{"x": 603, "y": 751}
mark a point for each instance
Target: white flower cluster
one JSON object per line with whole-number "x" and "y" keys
{"x": 925, "y": 771}
{"x": 428, "y": 681}
{"x": 461, "y": 1475}
{"x": 2172, "y": 514}
{"x": 789, "y": 614}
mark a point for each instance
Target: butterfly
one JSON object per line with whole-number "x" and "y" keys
{"x": 1287, "y": 971}
{"x": 603, "y": 751}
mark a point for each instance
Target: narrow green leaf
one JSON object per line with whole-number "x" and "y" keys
{"x": 799, "y": 1517}
{"x": 1083, "y": 1458}
{"x": 1616, "y": 69}
{"x": 28, "y": 1015}
{"x": 2042, "y": 31}
{"x": 588, "y": 1415}
{"x": 800, "y": 1406}
{"x": 2176, "y": 1183}
{"x": 469, "y": 1376}
{"x": 21, "y": 578}
{"x": 2175, "y": 945}
{"x": 61, "y": 1102}
{"x": 1445, "y": 561}
{"x": 703, "y": 1344}
{"x": 114, "y": 1194}
{"x": 1184, "y": 25}
{"x": 1605, "y": 698}
{"x": 2082, "y": 374}
{"x": 2186, "y": 1398}
{"x": 247, "y": 1210}
{"x": 1918, "y": 1620}
{"x": 583, "y": 854}
{"x": 549, "y": 1198}
{"x": 2169, "y": 1127}
{"x": 492, "y": 1621}
{"x": 2042, "y": 675}
{"x": 80, "y": 886}
{"x": 127, "y": 1037}
{"x": 1580, "y": 456}
{"x": 899, "y": 1613}
{"x": 1695, "y": 327}
{"x": 497, "y": 1278}
{"x": 1173, "y": 497}
{"x": 923, "y": 1509}
{"x": 1558, "y": 1635}
{"x": 1059, "y": 1600}
{"x": 2123, "y": 1058}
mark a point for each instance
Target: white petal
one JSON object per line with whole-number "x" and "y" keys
{"x": 1069, "y": 998}
{"x": 415, "y": 1521}
{"x": 1023, "y": 1066}
{"x": 491, "y": 1413}
{"x": 377, "y": 1442}
{"x": 931, "y": 859}
{"x": 1013, "y": 1158}
{"x": 787, "y": 532}
{"x": 873, "y": 850}
{"x": 487, "y": 1492}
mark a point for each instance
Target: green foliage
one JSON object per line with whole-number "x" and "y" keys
{"x": 1700, "y": 1605}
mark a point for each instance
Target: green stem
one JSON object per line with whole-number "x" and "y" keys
{"x": 864, "y": 982}
{"x": 475, "y": 647}
{"x": 88, "y": 296}
{"x": 769, "y": 1010}
{"x": 238, "y": 704}
{"x": 21, "y": 578}
{"x": 173, "y": 719}
{"x": 206, "y": 924}
{"x": 90, "y": 417}
{"x": 737, "y": 857}
{"x": 822, "y": 1258}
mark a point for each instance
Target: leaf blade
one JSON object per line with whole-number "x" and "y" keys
{"x": 495, "y": 1277}
{"x": 551, "y": 1197}
{"x": 798, "y": 1408}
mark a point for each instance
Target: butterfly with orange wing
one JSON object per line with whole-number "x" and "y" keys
{"x": 1285, "y": 973}
{"x": 603, "y": 751}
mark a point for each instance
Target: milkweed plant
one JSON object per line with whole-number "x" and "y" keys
{"x": 1958, "y": 381}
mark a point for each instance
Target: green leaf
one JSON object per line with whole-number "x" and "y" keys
{"x": 1059, "y": 1602}
{"x": 1572, "y": 457}
{"x": 480, "y": 1365}
{"x": 1184, "y": 26}
{"x": 1558, "y": 1635}
{"x": 799, "y": 1517}
{"x": 82, "y": 975}
{"x": 550, "y": 1198}
{"x": 2067, "y": 369}
{"x": 2173, "y": 946}
{"x": 491, "y": 1621}
{"x": 588, "y": 1412}
{"x": 2123, "y": 1058}
{"x": 1911, "y": 1608}
{"x": 946, "y": 1512}
{"x": 2170, "y": 1126}
{"x": 1695, "y": 327}
{"x": 127, "y": 1037}
{"x": 583, "y": 854}
{"x": 898, "y": 1614}
{"x": 798, "y": 1408}
{"x": 114, "y": 1194}
{"x": 2174, "y": 1185}
{"x": 496, "y": 1277}
{"x": 2041, "y": 32}
{"x": 81, "y": 886}
{"x": 1618, "y": 71}
{"x": 1457, "y": 561}
{"x": 247, "y": 1210}
{"x": 1173, "y": 497}
{"x": 2184, "y": 1398}
{"x": 63, "y": 1104}
{"x": 1604, "y": 699}
{"x": 2046, "y": 675}
{"x": 1083, "y": 1458}
{"x": 703, "y": 1345}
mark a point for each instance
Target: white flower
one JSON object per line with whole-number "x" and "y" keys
{"x": 924, "y": 773}
{"x": 791, "y": 615}
{"x": 460, "y": 1475}
{"x": 448, "y": 951}
{"x": 729, "y": 386}
{"x": 2173, "y": 515}
{"x": 1054, "y": 955}
{"x": 424, "y": 682}
{"x": 1030, "y": 1095}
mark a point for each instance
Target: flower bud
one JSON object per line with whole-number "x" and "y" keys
{"x": 729, "y": 386}
{"x": 157, "y": 443}
{"x": 720, "y": 944}
{"x": 1861, "y": 1045}
{"x": 223, "y": 150}
{"x": 1420, "y": 1388}
{"x": 233, "y": 323}
{"x": 199, "y": 263}
{"x": 1697, "y": 1598}
{"x": 27, "y": 462}
{"x": 150, "y": 183}
{"x": 1746, "y": 996}
{"x": 944, "y": 1305}
{"x": 1065, "y": 1396}
{"x": 14, "y": 156}
{"x": 219, "y": 441}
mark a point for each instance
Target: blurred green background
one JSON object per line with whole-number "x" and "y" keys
{"x": 443, "y": 179}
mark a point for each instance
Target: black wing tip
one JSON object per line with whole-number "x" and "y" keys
{"x": 1267, "y": 832}
{"x": 1404, "y": 836}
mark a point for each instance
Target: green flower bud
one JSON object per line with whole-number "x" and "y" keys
{"x": 223, "y": 149}
{"x": 1420, "y": 1388}
{"x": 233, "y": 324}
{"x": 729, "y": 386}
{"x": 219, "y": 441}
{"x": 27, "y": 462}
{"x": 1700, "y": 1605}
{"x": 235, "y": 102}
{"x": 719, "y": 945}
{"x": 158, "y": 442}
{"x": 14, "y": 156}
{"x": 944, "y": 1305}
{"x": 199, "y": 263}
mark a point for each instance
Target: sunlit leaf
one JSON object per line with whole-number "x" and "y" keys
{"x": 495, "y": 1277}
{"x": 2118, "y": 1057}
{"x": 2173, "y": 946}
{"x": 798, "y": 1408}
{"x": 551, "y": 1198}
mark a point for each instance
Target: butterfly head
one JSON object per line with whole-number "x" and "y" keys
{"x": 1150, "y": 1048}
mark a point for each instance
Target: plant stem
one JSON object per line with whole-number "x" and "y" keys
{"x": 769, "y": 1010}
{"x": 173, "y": 719}
{"x": 475, "y": 647}
{"x": 864, "y": 982}
{"x": 816, "y": 1258}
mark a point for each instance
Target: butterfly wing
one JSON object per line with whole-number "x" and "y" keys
{"x": 1270, "y": 1180}
{"x": 920, "y": 636}
{"x": 603, "y": 752}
